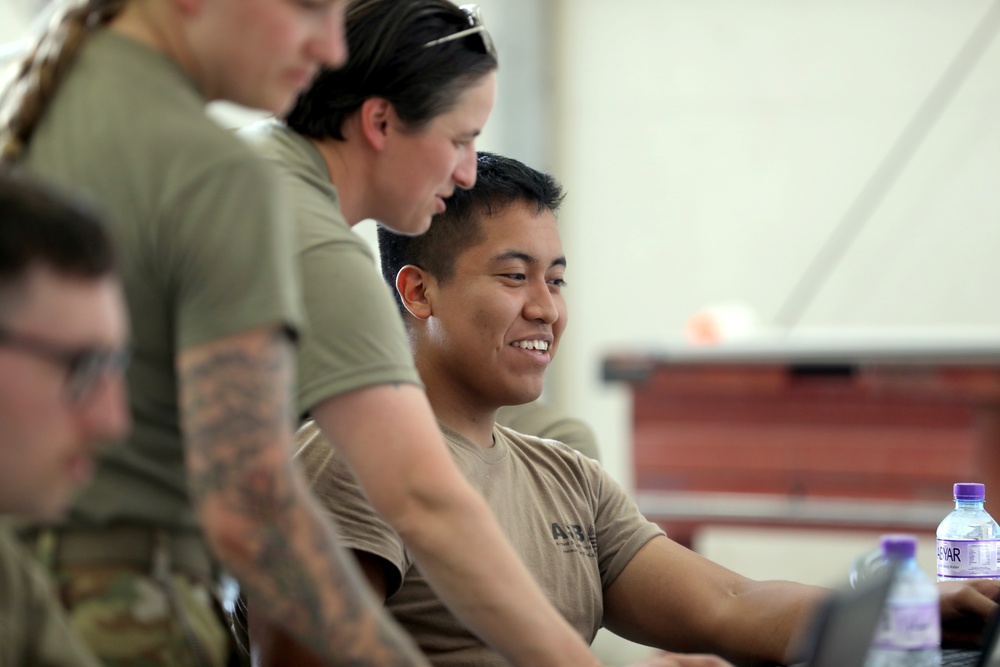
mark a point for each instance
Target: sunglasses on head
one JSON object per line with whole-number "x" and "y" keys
{"x": 476, "y": 27}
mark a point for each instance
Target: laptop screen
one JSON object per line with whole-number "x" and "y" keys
{"x": 845, "y": 624}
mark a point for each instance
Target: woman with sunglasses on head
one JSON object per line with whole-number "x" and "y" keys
{"x": 111, "y": 102}
{"x": 390, "y": 136}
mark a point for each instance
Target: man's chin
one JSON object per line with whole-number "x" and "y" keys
{"x": 527, "y": 396}
{"x": 50, "y": 512}
{"x": 408, "y": 227}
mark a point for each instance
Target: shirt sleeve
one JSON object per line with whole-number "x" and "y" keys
{"x": 621, "y": 529}
{"x": 359, "y": 526}
{"x": 356, "y": 336}
{"x": 226, "y": 245}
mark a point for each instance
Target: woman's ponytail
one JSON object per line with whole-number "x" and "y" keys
{"x": 37, "y": 77}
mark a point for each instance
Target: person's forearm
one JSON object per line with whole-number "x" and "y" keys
{"x": 257, "y": 514}
{"x": 673, "y": 598}
{"x": 289, "y": 566}
{"x": 783, "y": 611}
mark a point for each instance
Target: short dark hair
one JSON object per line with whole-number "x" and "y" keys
{"x": 43, "y": 226}
{"x": 389, "y": 58}
{"x": 500, "y": 182}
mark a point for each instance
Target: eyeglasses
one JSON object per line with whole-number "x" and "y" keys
{"x": 85, "y": 366}
{"x": 475, "y": 17}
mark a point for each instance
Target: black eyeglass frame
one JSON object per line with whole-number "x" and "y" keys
{"x": 84, "y": 366}
{"x": 475, "y": 17}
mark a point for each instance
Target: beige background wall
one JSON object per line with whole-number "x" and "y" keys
{"x": 710, "y": 148}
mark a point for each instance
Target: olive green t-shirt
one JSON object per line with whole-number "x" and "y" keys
{"x": 33, "y": 630}
{"x": 572, "y": 525}
{"x": 205, "y": 247}
{"x": 355, "y": 336}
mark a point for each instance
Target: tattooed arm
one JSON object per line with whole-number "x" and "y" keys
{"x": 256, "y": 512}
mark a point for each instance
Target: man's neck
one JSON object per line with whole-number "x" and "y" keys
{"x": 455, "y": 411}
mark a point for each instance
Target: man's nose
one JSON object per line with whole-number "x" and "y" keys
{"x": 105, "y": 414}
{"x": 541, "y": 305}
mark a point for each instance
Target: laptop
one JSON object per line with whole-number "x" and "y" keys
{"x": 989, "y": 656}
{"x": 845, "y": 625}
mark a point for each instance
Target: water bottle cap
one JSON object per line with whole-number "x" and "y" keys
{"x": 898, "y": 547}
{"x": 970, "y": 491}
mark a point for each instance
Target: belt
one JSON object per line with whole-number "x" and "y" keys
{"x": 147, "y": 549}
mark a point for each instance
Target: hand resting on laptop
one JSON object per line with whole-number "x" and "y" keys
{"x": 965, "y": 608}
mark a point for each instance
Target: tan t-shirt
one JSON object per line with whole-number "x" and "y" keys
{"x": 355, "y": 336}
{"x": 204, "y": 239}
{"x": 571, "y": 524}
{"x": 545, "y": 421}
{"x": 33, "y": 630}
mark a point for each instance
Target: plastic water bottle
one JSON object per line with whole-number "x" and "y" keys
{"x": 909, "y": 632}
{"x": 967, "y": 539}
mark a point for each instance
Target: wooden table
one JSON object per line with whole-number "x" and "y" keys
{"x": 832, "y": 433}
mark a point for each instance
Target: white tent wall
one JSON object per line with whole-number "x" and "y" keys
{"x": 709, "y": 149}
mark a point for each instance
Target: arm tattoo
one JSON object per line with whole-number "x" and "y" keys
{"x": 237, "y": 416}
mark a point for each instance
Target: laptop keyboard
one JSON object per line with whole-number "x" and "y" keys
{"x": 960, "y": 657}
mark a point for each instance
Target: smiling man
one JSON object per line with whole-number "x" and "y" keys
{"x": 481, "y": 295}
{"x": 62, "y": 336}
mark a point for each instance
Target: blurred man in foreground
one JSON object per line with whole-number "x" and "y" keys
{"x": 63, "y": 330}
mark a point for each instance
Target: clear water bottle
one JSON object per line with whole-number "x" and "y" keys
{"x": 909, "y": 631}
{"x": 968, "y": 537}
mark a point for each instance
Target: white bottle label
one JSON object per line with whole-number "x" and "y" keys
{"x": 968, "y": 559}
{"x": 908, "y": 627}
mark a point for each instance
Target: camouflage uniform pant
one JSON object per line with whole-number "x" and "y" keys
{"x": 130, "y": 619}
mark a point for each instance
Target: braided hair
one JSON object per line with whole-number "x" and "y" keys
{"x": 37, "y": 77}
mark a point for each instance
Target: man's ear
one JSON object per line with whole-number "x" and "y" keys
{"x": 374, "y": 116}
{"x": 412, "y": 283}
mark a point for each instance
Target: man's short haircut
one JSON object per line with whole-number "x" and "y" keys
{"x": 389, "y": 57}
{"x": 500, "y": 183}
{"x": 42, "y": 226}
